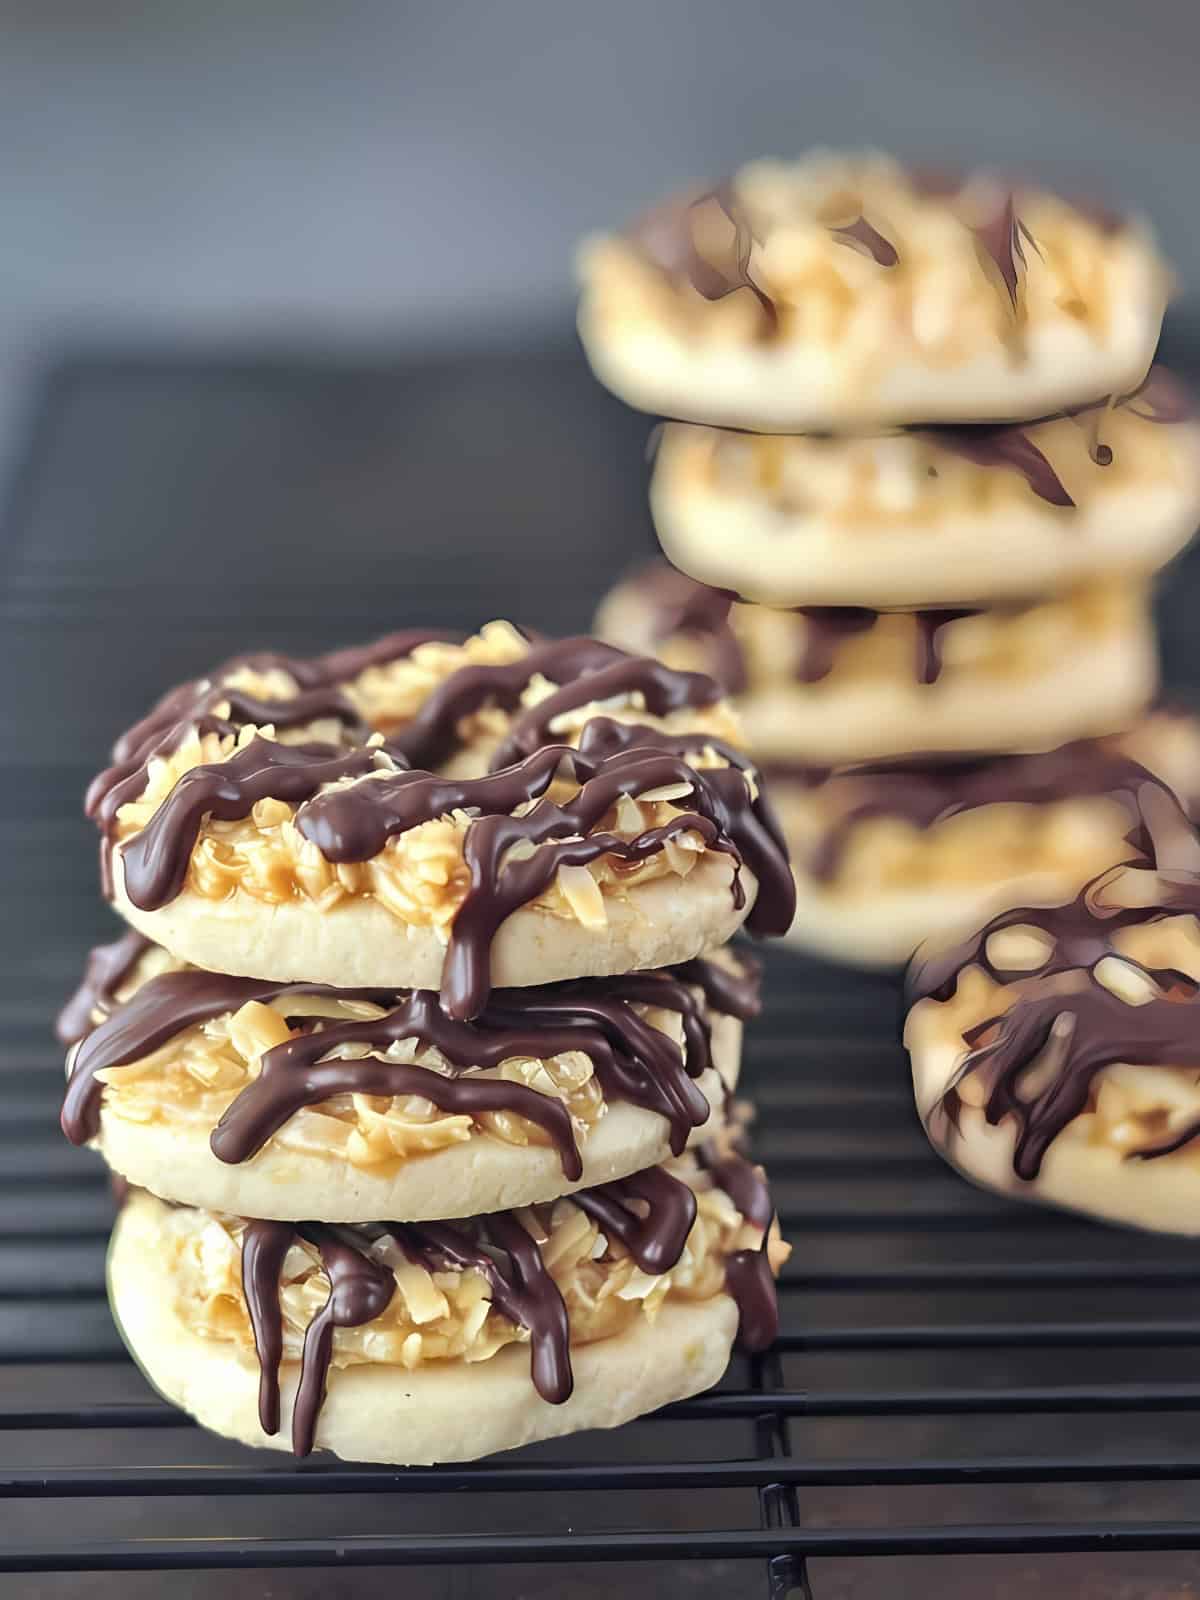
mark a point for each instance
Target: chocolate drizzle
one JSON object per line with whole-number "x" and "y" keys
{"x": 634, "y": 1061}
{"x": 108, "y": 966}
{"x": 1081, "y": 929}
{"x": 666, "y": 237}
{"x": 826, "y": 628}
{"x": 926, "y": 794}
{"x": 522, "y": 1289}
{"x": 1000, "y": 239}
{"x": 748, "y": 1275}
{"x": 156, "y": 859}
{"x": 320, "y": 681}
{"x": 986, "y": 446}
{"x": 654, "y": 1240}
{"x": 264, "y": 1246}
{"x": 1074, "y": 1036}
{"x": 360, "y": 1289}
{"x": 354, "y": 824}
{"x": 1070, "y": 1028}
{"x": 860, "y": 234}
{"x": 678, "y": 604}
{"x": 651, "y": 1214}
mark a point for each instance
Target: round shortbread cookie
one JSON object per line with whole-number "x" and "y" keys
{"x": 1055, "y": 1053}
{"x": 841, "y": 292}
{"x": 587, "y": 816}
{"x": 449, "y": 1342}
{"x": 292, "y": 1102}
{"x": 885, "y": 858}
{"x": 824, "y": 686}
{"x": 950, "y": 515}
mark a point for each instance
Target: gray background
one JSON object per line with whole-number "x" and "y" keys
{"x": 357, "y": 172}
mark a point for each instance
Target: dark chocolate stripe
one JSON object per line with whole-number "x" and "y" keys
{"x": 108, "y": 966}
{"x": 633, "y": 1061}
{"x": 676, "y": 604}
{"x": 860, "y": 234}
{"x": 360, "y": 1289}
{"x": 928, "y": 793}
{"x": 748, "y": 1275}
{"x": 509, "y": 1259}
{"x": 665, "y": 237}
{"x": 656, "y": 1240}
{"x": 1006, "y": 446}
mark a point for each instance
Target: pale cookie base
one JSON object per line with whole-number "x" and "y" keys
{"x": 793, "y": 388}
{"x": 481, "y": 1175}
{"x": 448, "y": 1411}
{"x": 802, "y": 558}
{"x": 359, "y": 944}
{"x": 883, "y": 929}
{"x": 1097, "y": 689}
{"x": 1092, "y": 1178}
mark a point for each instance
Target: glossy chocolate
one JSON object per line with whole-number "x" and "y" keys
{"x": 633, "y": 1061}
{"x": 924, "y": 794}
{"x": 108, "y": 966}
{"x": 651, "y": 1214}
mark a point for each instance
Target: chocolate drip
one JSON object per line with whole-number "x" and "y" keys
{"x": 1082, "y": 928}
{"x": 354, "y": 824}
{"x": 735, "y": 994}
{"x": 679, "y": 605}
{"x": 826, "y": 629}
{"x": 750, "y": 1281}
{"x": 666, "y": 238}
{"x": 605, "y": 736}
{"x": 1161, "y": 398}
{"x": 1074, "y": 1035}
{"x": 522, "y": 1289}
{"x": 501, "y": 1249}
{"x": 662, "y": 691}
{"x": 156, "y": 859}
{"x": 601, "y": 669}
{"x": 1003, "y": 447}
{"x": 633, "y": 1061}
{"x": 924, "y": 795}
{"x": 319, "y": 679}
{"x": 264, "y": 1246}
{"x": 160, "y": 1009}
{"x": 107, "y": 968}
{"x": 1000, "y": 238}
{"x": 861, "y": 234}
{"x": 343, "y": 666}
{"x": 929, "y": 640}
{"x": 360, "y": 1290}
{"x": 656, "y": 1240}
{"x": 748, "y": 1275}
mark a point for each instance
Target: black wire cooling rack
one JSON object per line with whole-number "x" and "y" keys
{"x": 969, "y": 1397}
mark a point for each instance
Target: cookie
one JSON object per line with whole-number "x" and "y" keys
{"x": 844, "y": 292}
{"x": 295, "y": 1101}
{"x": 614, "y": 829}
{"x": 822, "y": 686}
{"x": 936, "y": 515}
{"x": 888, "y": 856}
{"x": 417, "y": 1343}
{"x": 1055, "y": 1051}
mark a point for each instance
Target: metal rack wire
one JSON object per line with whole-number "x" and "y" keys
{"x": 958, "y": 1377}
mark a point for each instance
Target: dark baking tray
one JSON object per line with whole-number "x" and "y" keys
{"x": 969, "y": 1397}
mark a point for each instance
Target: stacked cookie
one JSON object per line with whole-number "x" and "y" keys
{"x": 933, "y": 615}
{"x": 421, "y": 1044}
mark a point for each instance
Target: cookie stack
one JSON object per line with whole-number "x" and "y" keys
{"x": 416, "y": 1062}
{"x": 933, "y": 615}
